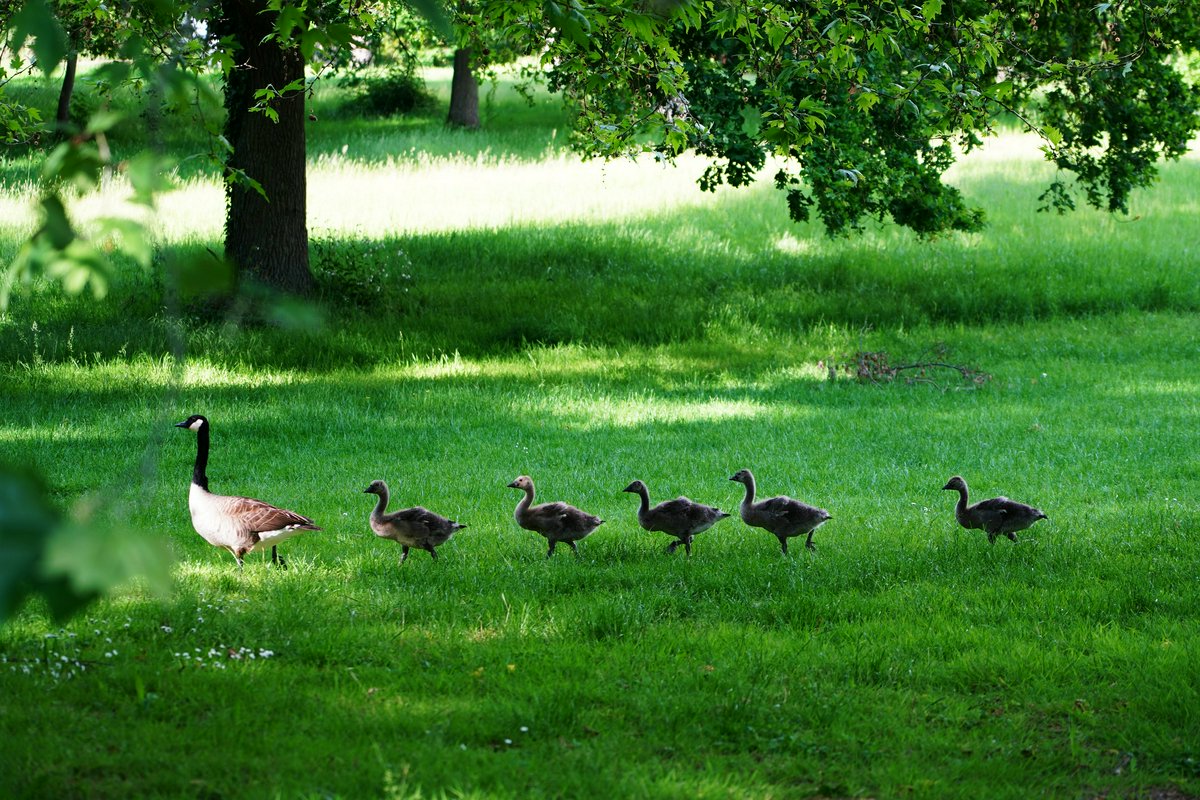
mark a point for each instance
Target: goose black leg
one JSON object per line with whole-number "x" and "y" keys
{"x": 550, "y": 552}
{"x": 783, "y": 544}
{"x": 403, "y": 553}
{"x": 276, "y": 560}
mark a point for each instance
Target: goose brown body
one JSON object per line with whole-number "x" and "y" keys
{"x": 783, "y": 516}
{"x": 998, "y": 516}
{"x": 239, "y": 524}
{"x": 682, "y": 518}
{"x": 410, "y": 527}
{"x": 558, "y": 522}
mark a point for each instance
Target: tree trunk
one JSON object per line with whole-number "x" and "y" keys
{"x": 63, "y": 117}
{"x": 464, "y": 92}
{"x": 267, "y": 238}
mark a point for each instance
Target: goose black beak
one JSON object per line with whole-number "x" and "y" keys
{"x": 181, "y": 424}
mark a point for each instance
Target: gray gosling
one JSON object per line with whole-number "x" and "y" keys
{"x": 410, "y": 527}
{"x": 782, "y": 516}
{"x": 681, "y": 517}
{"x": 239, "y": 524}
{"x": 558, "y": 522}
{"x": 998, "y": 516}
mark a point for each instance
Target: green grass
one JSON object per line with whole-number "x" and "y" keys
{"x": 589, "y": 326}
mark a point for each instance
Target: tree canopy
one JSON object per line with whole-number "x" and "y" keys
{"x": 858, "y": 106}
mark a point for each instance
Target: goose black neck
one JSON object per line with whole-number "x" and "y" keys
{"x": 381, "y": 505}
{"x": 749, "y": 482}
{"x": 199, "y": 471}
{"x": 644, "y": 493}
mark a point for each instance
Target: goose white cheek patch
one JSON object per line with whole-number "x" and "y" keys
{"x": 195, "y": 426}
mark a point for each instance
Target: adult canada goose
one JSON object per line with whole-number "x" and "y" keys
{"x": 410, "y": 527}
{"x": 558, "y": 522}
{"x": 782, "y": 516}
{"x": 239, "y": 524}
{"x": 996, "y": 516}
{"x": 681, "y": 517}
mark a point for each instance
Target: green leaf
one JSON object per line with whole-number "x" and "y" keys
{"x": 102, "y": 121}
{"x": 1052, "y": 134}
{"x": 751, "y": 121}
{"x": 930, "y": 9}
{"x": 435, "y": 13}
{"x": 149, "y": 175}
{"x": 36, "y": 20}
{"x": 26, "y": 521}
{"x": 200, "y": 275}
{"x": 56, "y": 227}
{"x": 93, "y": 557}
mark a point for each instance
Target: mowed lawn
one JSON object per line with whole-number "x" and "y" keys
{"x": 664, "y": 335}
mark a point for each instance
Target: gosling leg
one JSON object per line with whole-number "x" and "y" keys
{"x": 991, "y": 538}
{"x": 809, "y": 543}
{"x": 687, "y": 545}
{"x": 432, "y": 552}
{"x": 574, "y": 547}
{"x": 1011, "y": 536}
{"x": 671, "y": 547}
{"x": 276, "y": 560}
{"x": 550, "y": 552}
{"x": 403, "y": 554}
{"x": 783, "y": 544}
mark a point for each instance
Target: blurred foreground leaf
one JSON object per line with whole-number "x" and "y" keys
{"x": 68, "y": 562}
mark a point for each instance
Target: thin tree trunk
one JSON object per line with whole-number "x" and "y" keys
{"x": 268, "y": 238}
{"x": 464, "y": 92}
{"x": 63, "y": 117}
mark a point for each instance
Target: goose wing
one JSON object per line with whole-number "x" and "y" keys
{"x": 690, "y": 514}
{"x": 563, "y": 518}
{"x": 789, "y": 510}
{"x": 420, "y": 517}
{"x": 992, "y": 514}
{"x": 259, "y": 517}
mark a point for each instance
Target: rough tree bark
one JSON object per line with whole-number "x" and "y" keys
{"x": 266, "y": 238}
{"x": 464, "y": 92}
{"x": 63, "y": 116}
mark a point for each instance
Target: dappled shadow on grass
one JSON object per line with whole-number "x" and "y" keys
{"x": 731, "y": 271}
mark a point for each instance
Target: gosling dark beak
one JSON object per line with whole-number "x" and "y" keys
{"x": 367, "y": 490}
{"x": 513, "y": 485}
{"x": 947, "y": 486}
{"x": 733, "y": 477}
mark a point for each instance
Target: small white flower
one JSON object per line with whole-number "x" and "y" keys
{"x": 524, "y": 729}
